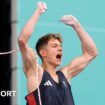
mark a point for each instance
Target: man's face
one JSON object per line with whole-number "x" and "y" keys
{"x": 54, "y": 52}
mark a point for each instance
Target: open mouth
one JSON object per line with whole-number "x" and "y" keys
{"x": 59, "y": 56}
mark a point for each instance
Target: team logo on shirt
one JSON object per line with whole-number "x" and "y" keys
{"x": 48, "y": 83}
{"x": 65, "y": 84}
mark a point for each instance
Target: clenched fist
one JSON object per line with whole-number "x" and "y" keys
{"x": 69, "y": 20}
{"x": 42, "y": 7}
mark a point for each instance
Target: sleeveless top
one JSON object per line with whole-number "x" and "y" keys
{"x": 52, "y": 93}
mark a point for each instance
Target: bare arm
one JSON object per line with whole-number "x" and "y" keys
{"x": 28, "y": 55}
{"x": 89, "y": 50}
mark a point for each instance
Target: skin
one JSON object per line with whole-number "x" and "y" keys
{"x": 49, "y": 60}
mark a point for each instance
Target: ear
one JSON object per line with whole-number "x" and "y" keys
{"x": 42, "y": 52}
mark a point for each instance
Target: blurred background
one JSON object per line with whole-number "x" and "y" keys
{"x": 88, "y": 87}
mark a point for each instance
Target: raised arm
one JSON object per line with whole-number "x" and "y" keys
{"x": 89, "y": 50}
{"x": 28, "y": 55}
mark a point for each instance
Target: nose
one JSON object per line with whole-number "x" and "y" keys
{"x": 60, "y": 48}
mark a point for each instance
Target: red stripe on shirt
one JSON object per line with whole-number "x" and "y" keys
{"x": 31, "y": 99}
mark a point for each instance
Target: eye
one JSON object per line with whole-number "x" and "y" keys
{"x": 54, "y": 45}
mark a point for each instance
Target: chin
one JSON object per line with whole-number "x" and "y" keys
{"x": 58, "y": 64}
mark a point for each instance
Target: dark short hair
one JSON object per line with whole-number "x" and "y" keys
{"x": 44, "y": 41}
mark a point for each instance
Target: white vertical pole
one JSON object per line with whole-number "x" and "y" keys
{"x": 14, "y": 46}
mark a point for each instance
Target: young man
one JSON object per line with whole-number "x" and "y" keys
{"x": 54, "y": 86}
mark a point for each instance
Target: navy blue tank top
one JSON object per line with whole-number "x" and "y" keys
{"x": 52, "y": 93}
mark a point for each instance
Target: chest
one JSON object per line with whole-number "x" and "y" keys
{"x": 52, "y": 88}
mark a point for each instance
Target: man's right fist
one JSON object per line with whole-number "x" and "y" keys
{"x": 42, "y": 7}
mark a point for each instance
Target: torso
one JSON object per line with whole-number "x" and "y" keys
{"x": 53, "y": 93}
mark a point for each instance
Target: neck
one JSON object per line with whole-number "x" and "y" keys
{"x": 49, "y": 68}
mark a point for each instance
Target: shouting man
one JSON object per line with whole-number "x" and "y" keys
{"x": 53, "y": 85}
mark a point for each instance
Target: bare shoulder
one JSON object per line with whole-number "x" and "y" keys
{"x": 34, "y": 80}
{"x": 64, "y": 70}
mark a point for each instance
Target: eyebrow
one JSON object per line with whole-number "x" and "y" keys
{"x": 56, "y": 44}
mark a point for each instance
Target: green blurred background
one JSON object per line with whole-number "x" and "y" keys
{"x": 88, "y": 87}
